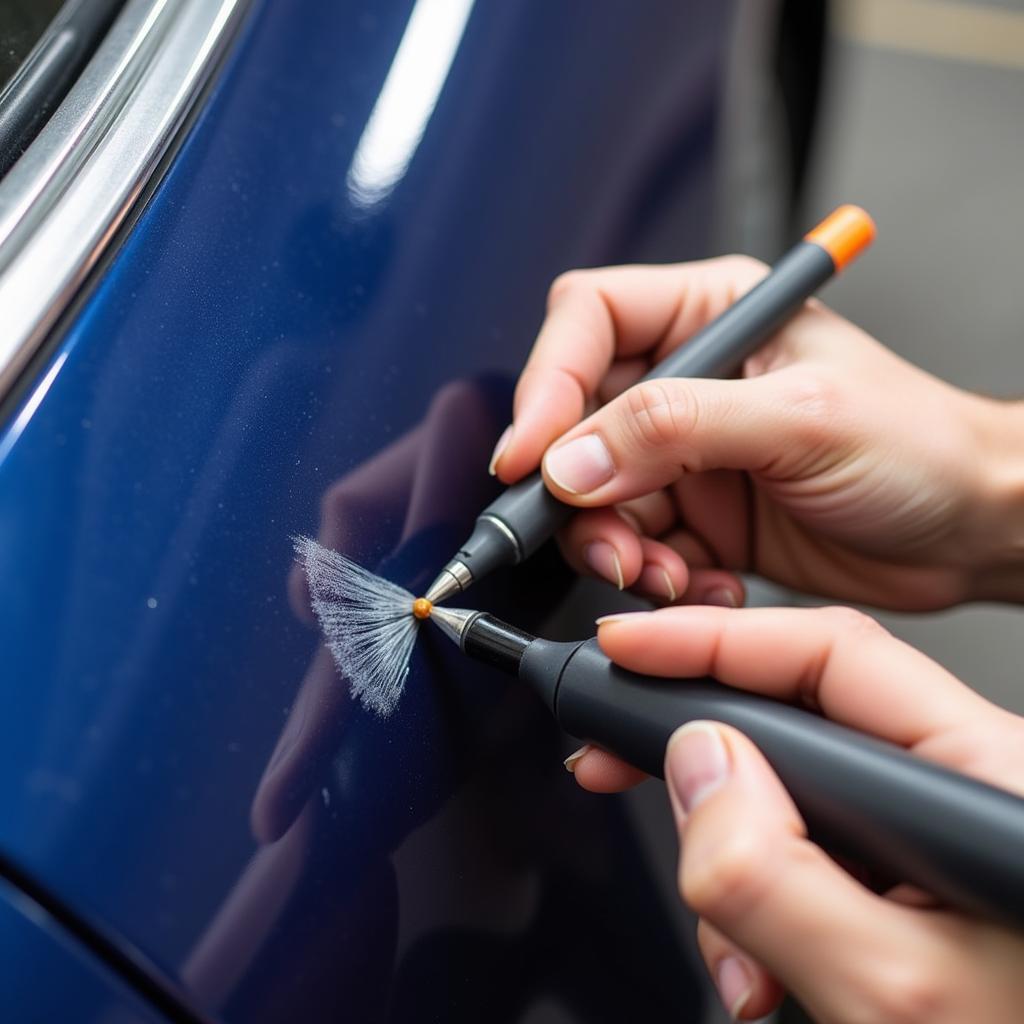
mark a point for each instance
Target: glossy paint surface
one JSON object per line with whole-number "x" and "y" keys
{"x": 313, "y": 328}
{"x": 47, "y": 976}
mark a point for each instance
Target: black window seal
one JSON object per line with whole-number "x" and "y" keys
{"x": 48, "y": 71}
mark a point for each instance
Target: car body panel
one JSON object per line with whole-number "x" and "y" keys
{"x": 270, "y": 353}
{"x": 47, "y": 975}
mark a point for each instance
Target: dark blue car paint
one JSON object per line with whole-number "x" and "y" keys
{"x": 178, "y": 762}
{"x": 46, "y": 975}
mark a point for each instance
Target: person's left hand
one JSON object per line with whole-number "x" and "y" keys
{"x": 776, "y": 912}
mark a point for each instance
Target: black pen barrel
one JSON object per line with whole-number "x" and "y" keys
{"x": 720, "y": 349}
{"x": 893, "y": 813}
{"x": 904, "y": 818}
{"x": 526, "y": 515}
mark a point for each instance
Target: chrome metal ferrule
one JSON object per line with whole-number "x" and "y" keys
{"x": 452, "y": 579}
{"x": 453, "y": 622}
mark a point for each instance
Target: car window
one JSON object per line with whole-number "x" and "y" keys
{"x": 88, "y": 122}
{"x": 44, "y": 44}
{"x": 22, "y": 22}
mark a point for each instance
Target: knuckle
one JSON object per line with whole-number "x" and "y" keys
{"x": 729, "y": 885}
{"x": 744, "y": 267}
{"x": 659, "y": 415}
{"x": 814, "y": 400}
{"x": 343, "y": 500}
{"x": 455, "y": 395}
{"x": 334, "y": 499}
{"x": 850, "y": 621}
{"x": 567, "y": 281}
{"x": 903, "y": 993}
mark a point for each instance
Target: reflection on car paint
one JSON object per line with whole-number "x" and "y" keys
{"x": 407, "y": 99}
{"x": 261, "y": 359}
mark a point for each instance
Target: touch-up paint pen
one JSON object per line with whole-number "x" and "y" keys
{"x": 515, "y": 525}
{"x": 911, "y": 821}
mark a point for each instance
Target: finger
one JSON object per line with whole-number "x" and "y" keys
{"x": 316, "y": 722}
{"x": 605, "y": 543}
{"x": 691, "y": 549}
{"x": 708, "y": 584}
{"x": 652, "y": 514}
{"x": 717, "y": 506}
{"x": 600, "y": 543}
{"x": 453, "y": 446}
{"x": 664, "y": 577}
{"x": 746, "y": 989}
{"x": 911, "y": 896}
{"x": 595, "y": 316}
{"x": 748, "y": 868}
{"x": 600, "y": 772}
{"x": 717, "y": 587}
{"x": 833, "y": 658}
{"x": 648, "y": 437}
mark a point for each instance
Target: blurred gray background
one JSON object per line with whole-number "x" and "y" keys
{"x": 922, "y": 123}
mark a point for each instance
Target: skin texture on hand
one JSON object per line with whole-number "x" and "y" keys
{"x": 776, "y": 912}
{"x": 833, "y": 467}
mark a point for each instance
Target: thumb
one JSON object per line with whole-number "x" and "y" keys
{"x": 748, "y": 869}
{"x": 659, "y": 429}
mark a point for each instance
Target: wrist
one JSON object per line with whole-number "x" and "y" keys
{"x": 998, "y": 574}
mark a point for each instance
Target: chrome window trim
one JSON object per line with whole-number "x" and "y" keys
{"x": 63, "y": 201}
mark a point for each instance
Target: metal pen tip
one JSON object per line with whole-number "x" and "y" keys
{"x": 452, "y": 579}
{"x": 452, "y": 621}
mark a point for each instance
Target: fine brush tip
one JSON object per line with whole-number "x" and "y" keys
{"x": 365, "y": 622}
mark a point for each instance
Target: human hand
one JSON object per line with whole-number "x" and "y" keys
{"x": 776, "y": 912}
{"x": 834, "y": 467}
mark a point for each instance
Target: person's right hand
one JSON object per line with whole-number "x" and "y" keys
{"x": 776, "y": 911}
{"x": 834, "y": 467}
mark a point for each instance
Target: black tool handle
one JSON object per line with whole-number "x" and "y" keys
{"x": 528, "y": 510}
{"x": 910, "y": 820}
{"x": 720, "y": 348}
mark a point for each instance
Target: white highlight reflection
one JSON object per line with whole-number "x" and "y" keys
{"x": 21, "y": 421}
{"x": 407, "y": 99}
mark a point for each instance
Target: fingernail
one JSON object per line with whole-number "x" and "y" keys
{"x": 574, "y": 759}
{"x": 696, "y": 764}
{"x": 617, "y": 617}
{"x": 499, "y": 449}
{"x": 604, "y": 560}
{"x": 581, "y": 465}
{"x": 734, "y": 984}
{"x": 655, "y": 580}
{"x": 721, "y": 596}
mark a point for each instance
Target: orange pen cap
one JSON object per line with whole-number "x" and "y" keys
{"x": 844, "y": 234}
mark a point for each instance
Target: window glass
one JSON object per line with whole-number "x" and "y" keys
{"x": 44, "y": 44}
{"x": 22, "y": 22}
